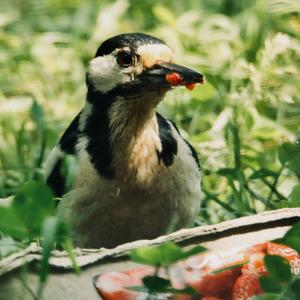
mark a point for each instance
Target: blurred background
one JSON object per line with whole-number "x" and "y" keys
{"x": 244, "y": 122}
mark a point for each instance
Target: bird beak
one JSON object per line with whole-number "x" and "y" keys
{"x": 173, "y": 75}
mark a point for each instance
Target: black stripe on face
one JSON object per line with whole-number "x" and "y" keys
{"x": 168, "y": 142}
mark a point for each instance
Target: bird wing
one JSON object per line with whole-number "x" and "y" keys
{"x": 192, "y": 149}
{"x": 167, "y": 139}
{"x": 59, "y": 166}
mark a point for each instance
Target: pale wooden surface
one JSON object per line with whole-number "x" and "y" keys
{"x": 63, "y": 284}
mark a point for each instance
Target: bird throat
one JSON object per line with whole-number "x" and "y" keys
{"x": 134, "y": 139}
{"x": 123, "y": 136}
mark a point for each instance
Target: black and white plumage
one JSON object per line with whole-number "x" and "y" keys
{"x": 136, "y": 177}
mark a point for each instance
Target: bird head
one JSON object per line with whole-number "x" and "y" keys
{"x": 137, "y": 64}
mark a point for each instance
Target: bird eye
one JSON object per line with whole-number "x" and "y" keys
{"x": 124, "y": 59}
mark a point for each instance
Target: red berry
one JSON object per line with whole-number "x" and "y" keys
{"x": 190, "y": 86}
{"x": 174, "y": 78}
{"x": 283, "y": 251}
{"x": 245, "y": 287}
{"x": 213, "y": 284}
{"x": 112, "y": 285}
{"x": 256, "y": 265}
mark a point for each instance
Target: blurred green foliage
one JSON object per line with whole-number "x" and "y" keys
{"x": 243, "y": 121}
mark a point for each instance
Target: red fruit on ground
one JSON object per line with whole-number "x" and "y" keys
{"x": 110, "y": 286}
{"x": 113, "y": 285}
{"x": 213, "y": 284}
{"x": 282, "y": 250}
{"x": 256, "y": 265}
{"x": 245, "y": 287}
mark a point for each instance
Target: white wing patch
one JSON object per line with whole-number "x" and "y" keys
{"x": 86, "y": 112}
{"x": 55, "y": 155}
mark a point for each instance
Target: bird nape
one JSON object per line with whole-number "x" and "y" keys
{"x": 135, "y": 177}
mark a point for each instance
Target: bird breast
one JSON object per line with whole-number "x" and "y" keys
{"x": 135, "y": 143}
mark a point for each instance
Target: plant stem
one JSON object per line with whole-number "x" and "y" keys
{"x": 223, "y": 204}
{"x": 273, "y": 189}
{"x": 266, "y": 202}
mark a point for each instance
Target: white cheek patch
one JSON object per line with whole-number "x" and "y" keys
{"x": 153, "y": 53}
{"x": 105, "y": 73}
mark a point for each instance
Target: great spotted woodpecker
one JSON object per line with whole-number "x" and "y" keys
{"x": 135, "y": 176}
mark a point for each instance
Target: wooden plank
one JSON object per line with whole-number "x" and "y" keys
{"x": 64, "y": 284}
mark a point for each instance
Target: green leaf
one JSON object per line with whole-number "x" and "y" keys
{"x": 146, "y": 255}
{"x": 11, "y": 225}
{"x": 262, "y": 173}
{"x": 291, "y": 238}
{"x": 37, "y": 115}
{"x": 32, "y": 203}
{"x": 140, "y": 289}
{"x": 269, "y": 296}
{"x": 163, "y": 255}
{"x": 229, "y": 268}
{"x": 295, "y": 287}
{"x": 54, "y": 231}
{"x": 278, "y": 267}
{"x": 156, "y": 284}
{"x": 228, "y": 172}
{"x": 249, "y": 120}
{"x": 170, "y": 253}
{"x": 49, "y": 232}
{"x": 68, "y": 247}
{"x": 289, "y": 155}
{"x": 294, "y": 199}
{"x": 7, "y": 246}
{"x": 62, "y": 232}
{"x": 269, "y": 284}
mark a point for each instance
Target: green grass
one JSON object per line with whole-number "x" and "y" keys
{"x": 249, "y": 52}
{"x": 244, "y": 122}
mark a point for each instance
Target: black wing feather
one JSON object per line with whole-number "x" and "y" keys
{"x": 168, "y": 142}
{"x": 193, "y": 151}
{"x": 57, "y": 177}
{"x": 70, "y": 137}
{"x": 56, "y": 180}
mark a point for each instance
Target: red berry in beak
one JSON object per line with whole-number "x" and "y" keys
{"x": 174, "y": 78}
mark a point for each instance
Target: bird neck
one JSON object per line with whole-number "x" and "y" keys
{"x": 130, "y": 131}
{"x": 125, "y": 118}
{"x": 129, "y": 119}
{"x": 135, "y": 142}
